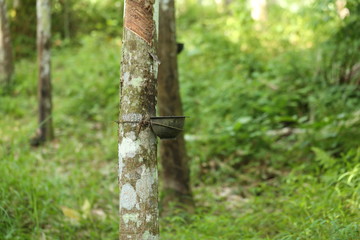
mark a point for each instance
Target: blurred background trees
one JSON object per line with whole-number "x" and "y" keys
{"x": 45, "y": 131}
{"x": 71, "y": 19}
{"x": 6, "y": 58}
{"x": 173, "y": 154}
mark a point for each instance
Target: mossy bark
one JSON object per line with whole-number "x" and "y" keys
{"x": 45, "y": 130}
{"x": 6, "y": 58}
{"x": 173, "y": 155}
{"x": 138, "y": 176}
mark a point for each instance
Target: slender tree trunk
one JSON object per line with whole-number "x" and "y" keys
{"x": 67, "y": 7}
{"x": 6, "y": 59}
{"x": 227, "y": 2}
{"x": 173, "y": 155}
{"x": 16, "y": 4}
{"x": 45, "y": 130}
{"x": 259, "y": 10}
{"x": 138, "y": 174}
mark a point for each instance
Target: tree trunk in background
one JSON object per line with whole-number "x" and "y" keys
{"x": 6, "y": 59}
{"x": 259, "y": 10}
{"x": 138, "y": 174}
{"x": 45, "y": 131}
{"x": 16, "y": 4}
{"x": 172, "y": 152}
{"x": 226, "y": 4}
{"x": 66, "y": 12}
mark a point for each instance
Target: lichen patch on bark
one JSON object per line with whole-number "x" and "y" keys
{"x": 144, "y": 186}
{"x": 128, "y": 197}
{"x": 126, "y": 76}
{"x": 133, "y": 117}
{"x": 148, "y": 236}
{"x": 148, "y": 217}
{"x": 131, "y": 217}
{"x": 127, "y": 148}
{"x": 137, "y": 82}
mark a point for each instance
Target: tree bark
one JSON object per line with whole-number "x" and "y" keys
{"x": 173, "y": 155}
{"x": 259, "y": 10}
{"x": 45, "y": 130}
{"x": 6, "y": 58}
{"x": 66, "y": 11}
{"x": 138, "y": 174}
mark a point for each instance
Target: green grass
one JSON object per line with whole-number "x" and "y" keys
{"x": 78, "y": 167}
{"x": 68, "y": 188}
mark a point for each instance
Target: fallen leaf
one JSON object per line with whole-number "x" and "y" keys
{"x": 86, "y": 207}
{"x": 71, "y": 214}
{"x": 99, "y": 213}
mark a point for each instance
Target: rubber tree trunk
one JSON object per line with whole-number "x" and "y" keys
{"x": 45, "y": 130}
{"x": 6, "y": 59}
{"x": 174, "y": 160}
{"x": 259, "y": 10}
{"x": 66, "y": 14}
{"x": 138, "y": 174}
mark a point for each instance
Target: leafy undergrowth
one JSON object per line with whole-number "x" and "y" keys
{"x": 68, "y": 188}
{"x": 297, "y": 206}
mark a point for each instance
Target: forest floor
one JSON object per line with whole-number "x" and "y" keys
{"x": 68, "y": 188}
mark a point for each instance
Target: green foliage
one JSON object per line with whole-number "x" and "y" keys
{"x": 269, "y": 91}
{"x": 300, "y": 206}
{"x": 71, "y": 20}
{"x": 94, "y": 93}
{"x": 44, "y": 193}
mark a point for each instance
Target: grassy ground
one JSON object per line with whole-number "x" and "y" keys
{"x": 273, "y": 137}
{"x": 68, "y": 188}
